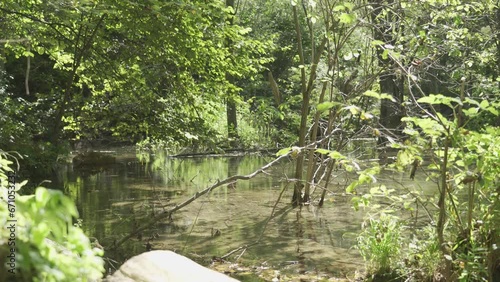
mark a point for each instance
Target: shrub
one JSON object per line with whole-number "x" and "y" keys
{"x": 43, "y": 244}
{"x": 380, "y": 244}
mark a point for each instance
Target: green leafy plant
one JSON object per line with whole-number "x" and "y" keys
{"x": 464, "y": 164}
{"x": 43, "y": 242}
{"x": 380, "y": 243}
{"x": 422, "y": 257}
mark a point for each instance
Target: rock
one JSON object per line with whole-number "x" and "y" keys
{"x": 165, "y": 266}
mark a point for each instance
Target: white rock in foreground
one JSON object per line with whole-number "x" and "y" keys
{"x": 165, "y": 266}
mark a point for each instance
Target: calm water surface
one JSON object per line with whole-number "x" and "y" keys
{"x": 114, "y": 201}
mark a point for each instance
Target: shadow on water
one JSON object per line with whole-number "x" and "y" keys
{"x": 113, "y": 202}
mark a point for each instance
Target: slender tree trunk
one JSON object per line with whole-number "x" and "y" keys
{"x": 307, "y": 85}
{"x": 440, "y": 226}
{"x": 311, "y": 160}
{"x": 232, "y": 122}
{"x": 497, "y": 69}
{"x": 297, "y": 192}
{"x": 232, "y": 118}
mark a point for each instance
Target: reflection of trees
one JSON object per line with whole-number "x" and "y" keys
{"x": 299, "y": 234}
{"x": 233, "y": 164}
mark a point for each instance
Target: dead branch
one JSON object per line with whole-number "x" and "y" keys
{"x": 168, "y": 213}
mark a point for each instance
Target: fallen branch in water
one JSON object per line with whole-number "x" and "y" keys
{"x": 168, "y": 213}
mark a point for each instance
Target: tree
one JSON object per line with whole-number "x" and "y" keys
{"x": 232, "y": 119}
{"x": 140, "y": 70}
{"x": 331, "y": 81}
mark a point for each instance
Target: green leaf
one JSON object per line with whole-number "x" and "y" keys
{"x": 375, "y": 190}
{"x": 347, "y": 18}
{"x": 336, "y": 155}
{"x": 407, "y": 205}
{"x": 339, "y": 8}
{"x": 28, "y": 54}
{"x": 326, "y": 106}
{"x": 367, "y": 178}
{"x": 492, "y": 110}
{"x": 20, "y": 185}
{"x": 353, "y": 109}
{"x": 484, "y": 104}
{"x": 244, "y": 31}
{"x": 349, "y": 5}
{"x": 471, "y": 101}
{"x": 322, "y": 151}
{"x": 385, "y": 54}
{"x": 283, "y": 152}
{"x": 352, "y": 187}
{"x": 374, "y": 94}
{"x": 355, "y": 202}
{"x": 42, "y": 195}
{"x": 471, "y": 112}
{"x": 435, "y": 99}
{"x": 431, "y": 99}
{"x": 377, "y": 43}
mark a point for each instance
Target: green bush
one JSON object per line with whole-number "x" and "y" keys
{"x": 380, "y": 244}
{"x": 45, "y": 243}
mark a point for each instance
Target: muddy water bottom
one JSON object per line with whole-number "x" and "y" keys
{"x": 296, "y": 240}
{"x": 113, "y": 202}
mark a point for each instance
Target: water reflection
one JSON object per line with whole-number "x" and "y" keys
{"x": 113, "y": 202}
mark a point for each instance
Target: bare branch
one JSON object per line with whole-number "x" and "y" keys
{"x": 5, "y": 41}
{"x": 168, "y": 213}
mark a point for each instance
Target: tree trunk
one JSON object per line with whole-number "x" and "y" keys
{"x": 232, "y": 119}
{"x": 307, "y": 85}
{"x": 297, "y": 192}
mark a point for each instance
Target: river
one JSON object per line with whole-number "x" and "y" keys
{"x": 113, "y": 201}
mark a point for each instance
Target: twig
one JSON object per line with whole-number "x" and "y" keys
{"x": 192, "y": 227}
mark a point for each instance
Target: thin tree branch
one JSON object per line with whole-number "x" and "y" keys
{"x": 168, "y": 213}
{"x": 5, "y": 41}
{"x": 28, "y": 66}
{"x": 50, "y": 24}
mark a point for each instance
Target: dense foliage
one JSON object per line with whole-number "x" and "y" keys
{"x": 126, "y": 70}
{"x": 418, "y": 77}
{"x": 39, "y": 240}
